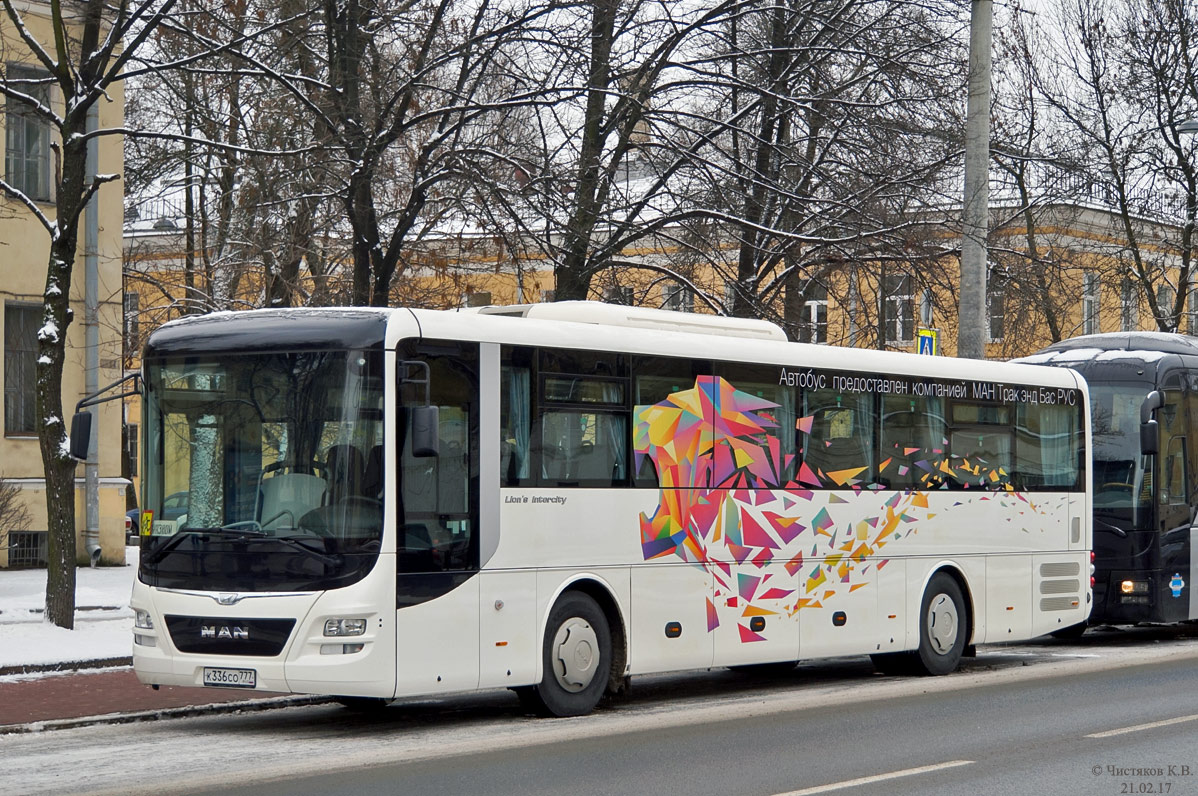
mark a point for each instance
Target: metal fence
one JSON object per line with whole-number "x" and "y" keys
{"x": 26, "y": 549}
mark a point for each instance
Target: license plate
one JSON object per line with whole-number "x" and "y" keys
{"x": 231, "y": 678}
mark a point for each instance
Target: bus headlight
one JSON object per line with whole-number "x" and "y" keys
{"x": 143, "y": 620}
{"x": 344, "y": 627}
{"x": 1134, "y": 592}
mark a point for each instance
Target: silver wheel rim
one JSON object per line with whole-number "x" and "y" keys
{"x": 943, "y": 624}
{"x": 575, "y": 654}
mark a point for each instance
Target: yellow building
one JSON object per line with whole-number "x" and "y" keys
{"x": 30, "y": 151}
{"x": 1065, "y": 277}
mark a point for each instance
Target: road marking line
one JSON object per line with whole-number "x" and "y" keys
{"x": 1150, "y": 726}
{"x": 852, "y": 783}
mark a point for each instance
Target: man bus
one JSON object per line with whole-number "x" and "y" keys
{"x": 390, "y": 502}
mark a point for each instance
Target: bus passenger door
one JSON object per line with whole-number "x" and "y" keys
{"x": 437, "y": 546}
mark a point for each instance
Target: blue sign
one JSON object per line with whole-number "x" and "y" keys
{"x": 928, "y": 342}
{"x": 1177, "y": 584}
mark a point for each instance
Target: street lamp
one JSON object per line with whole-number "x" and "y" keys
{"x": 1188, "y": 127}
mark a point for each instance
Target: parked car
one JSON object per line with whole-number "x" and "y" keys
{"x": 132, "y": 525}
{"x": 174, "y": 507}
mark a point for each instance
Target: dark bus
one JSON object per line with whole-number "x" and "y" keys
{"x": 1144, "y": 399}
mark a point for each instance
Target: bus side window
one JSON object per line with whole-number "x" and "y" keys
{"x": 1047, "y": 440}
{"x": 656, "y": 379}
{"x": 842, "y": 435}
{"x": 515, "y": 414}
{"x": 1173, "y": 473}
{"x": 913, "y": 429}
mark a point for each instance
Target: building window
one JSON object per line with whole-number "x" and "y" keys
{"x": 480, "y": 298}
{"x": 1129, "y": 305}
{"x": 996, "y": 310}
{"x": 619, "y": 295}
{"x": 131, "y": 447}
{"x": 678, "y": 297}
{"x": 898, "y": 309}
{"x": 20, "y": 357}
{"x": 27, "y": 137}
{"x": 1164, "y": 304}
{"x": 1192, "y": 311}
{"x": 132, "y": 325}
{"x": 1090, "y": 289}
{"x": 813, "y": 323}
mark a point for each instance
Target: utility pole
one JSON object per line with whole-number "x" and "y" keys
{"x": 971, "y": 323}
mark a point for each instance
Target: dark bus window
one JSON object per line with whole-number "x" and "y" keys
{"x": 583, "y": 448}
{"x": 913, "y": 437}
{"x": 581, "y": 437}
{"x": 755, "y": 429}
{"x": 980, "y": 447}
{"x": 515, "y": 417}
{"x": 1047, "y": 446}
{"x": 658, "y": 420}
{"x": 840, "y": 444}
{"x": 1173, "y": 473}
{"x": 439, "y": 494}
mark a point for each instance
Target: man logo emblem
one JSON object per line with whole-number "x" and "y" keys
{"x": 231, "y": 633}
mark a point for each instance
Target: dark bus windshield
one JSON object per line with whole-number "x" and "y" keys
{"x": 266, "y": 470}
{"x": 1122, "y": 480}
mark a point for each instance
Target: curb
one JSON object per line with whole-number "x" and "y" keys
{"x": 188, "y": 711}
{"x": 66, "y": 666}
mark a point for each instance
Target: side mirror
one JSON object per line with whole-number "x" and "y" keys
{"x": 1149, "y": 436}
{"x": 1152, "y": 401}
{"x": 81, "y": 435}
{"x": 1149, "y": 429}
{"x": 426, "y": 422}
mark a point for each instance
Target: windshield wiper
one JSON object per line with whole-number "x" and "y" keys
{"x": 318, "y": 554}
{"x": 229, "y": 531}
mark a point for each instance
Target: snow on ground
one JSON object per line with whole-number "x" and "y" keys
{"x": 103, "y": 619}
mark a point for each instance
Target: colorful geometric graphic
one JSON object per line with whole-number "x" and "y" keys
{"x": 725, "y": 498}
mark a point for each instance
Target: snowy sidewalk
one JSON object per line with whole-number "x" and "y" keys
{"x": 103, "y": 619}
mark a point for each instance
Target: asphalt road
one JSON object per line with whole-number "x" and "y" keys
{"x": 1112, "y": 715}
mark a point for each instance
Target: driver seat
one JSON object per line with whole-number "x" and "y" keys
{"x": 345, "y": 469}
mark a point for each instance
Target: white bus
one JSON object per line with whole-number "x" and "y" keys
{"x": 374, "y": 504}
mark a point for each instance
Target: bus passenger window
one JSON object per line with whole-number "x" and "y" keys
{"x": 913, "y": 431}
{"x": 583, "y": 448}
{"x": 1173, "y": 473}
{"x": 1047, "y": 441}
{"x": 515, "y": 410}
{"x": 841, "y": 441}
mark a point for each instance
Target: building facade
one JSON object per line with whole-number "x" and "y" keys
{"x": 29, "y": 163}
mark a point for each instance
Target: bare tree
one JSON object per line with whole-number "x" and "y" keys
{"x": 90, "y": 43}
{"x": 1121, "y": 82}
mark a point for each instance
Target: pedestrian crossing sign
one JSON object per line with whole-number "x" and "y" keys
{"x": 929, "y": 342}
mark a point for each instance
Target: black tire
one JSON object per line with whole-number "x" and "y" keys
{"x": 576, "y": 656}
{"x": 363, "y": 704}
{"x": 943, "y": 627}
{"x": 1071, "y": 633}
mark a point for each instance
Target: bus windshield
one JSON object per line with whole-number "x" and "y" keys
{"x": 269, "y": 470}
{"x": 1122, "y": 476}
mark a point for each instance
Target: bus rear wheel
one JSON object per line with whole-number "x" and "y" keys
{"x": 576, "y": 658}
{"x": 943, "y": 627}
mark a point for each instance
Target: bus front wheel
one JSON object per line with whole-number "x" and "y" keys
{"x": 943, "y": 626}
{"x": 576, "y": 658}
